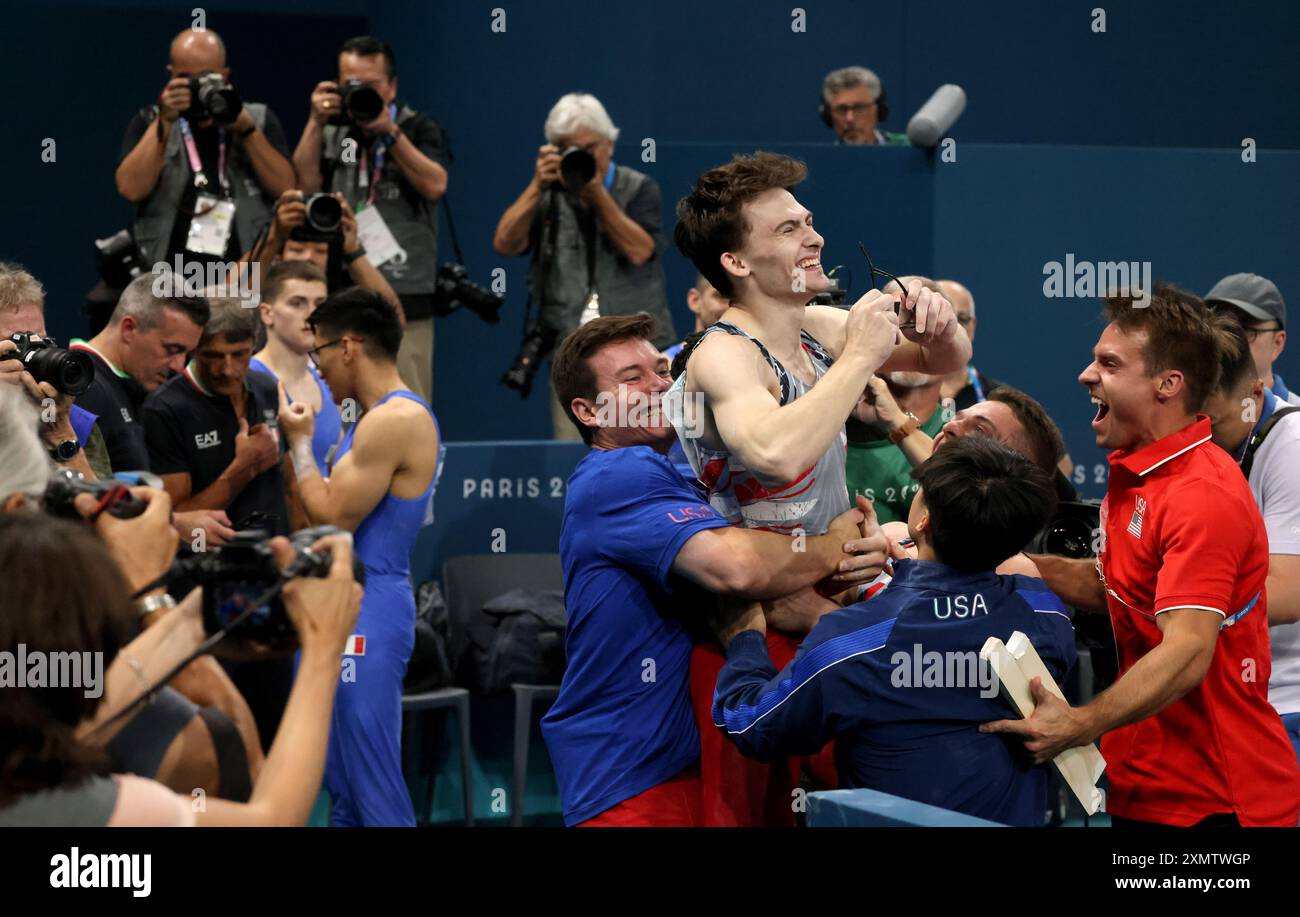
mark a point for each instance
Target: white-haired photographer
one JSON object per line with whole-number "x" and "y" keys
{"x": 57, "y": 769}
{"x": 592, "y": 229}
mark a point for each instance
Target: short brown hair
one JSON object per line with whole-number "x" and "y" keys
{"x": 571, "y": 372}
{"x": 229, "y": 317}
{"x": 283, "y": 271}
{"x": 1236, "y": 362}
{"x": 1179, "y": 336}
{"x": 709, "y": 219}
{"x": 1046, "y": 447}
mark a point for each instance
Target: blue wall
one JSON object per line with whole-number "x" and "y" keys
{"x": 1002, "y": 212}
{"x": 706, "y": 80}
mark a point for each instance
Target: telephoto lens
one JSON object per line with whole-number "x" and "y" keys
{"x": 362, "y": 103}
{"x": 324, "y": 212}
{"x": 577, "y": 167}
{"x": 69, "y": 371}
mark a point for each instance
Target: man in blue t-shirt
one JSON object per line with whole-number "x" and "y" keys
{"x": 637, "y": 542}
{"x": 897, "y": 681}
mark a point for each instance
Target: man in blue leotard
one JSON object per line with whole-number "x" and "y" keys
{"x": 291, "y": 291}
{"x": 380, "y": 487}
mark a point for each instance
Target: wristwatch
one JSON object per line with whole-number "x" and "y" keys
{"x": 247, "y": 132}
{"x": 910, "y": 426}
{"x": 65, "y": 451}
{"x": 349, "y": 257}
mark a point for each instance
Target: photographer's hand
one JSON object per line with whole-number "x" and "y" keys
{"x": 325, "y": 101}
{"x": 174, "y": 99}
{"x": 11, "y": 370}
{"x": 143, "y": 547}
{"x": 348, "y": 224}
{"x": 382, "y": 126}
{"x": 363, "y": 273}
{"x": 323, "y": 611}
{"x": 546, "y": 171}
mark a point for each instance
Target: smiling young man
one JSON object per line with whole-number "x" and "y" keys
{"x": 636, "y": 540}
{"x": 1187, "y": 731}
{"x": 777, "y": 379}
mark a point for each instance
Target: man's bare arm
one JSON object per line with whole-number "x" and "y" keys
{"x": 943, "y": 346}
{"x": 1075, "y": 581}
{"x": 1283, "y": 588}
{"x": 360, "y": 479}
{"x": 1177, "y": 665}
{"x": 779, "y": 443}
{"x": 761, "y": 565}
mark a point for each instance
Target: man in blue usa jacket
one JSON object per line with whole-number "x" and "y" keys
{"x": 897, "y": 680}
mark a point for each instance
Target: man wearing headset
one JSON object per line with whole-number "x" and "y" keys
{"x": 853, "y": 103}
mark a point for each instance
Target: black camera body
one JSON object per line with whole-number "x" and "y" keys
{"x": 64, "y": 485}
{"x": 454, "y": 289}
{"x": 1071, "y": 532}
{"x": 324, "y": 212}
{"x": 236, "y": 574}
{"x": 211, "y": 96}
{"x": 69, "y": 371}
{"x": 359, "y": 104}
{"x": 539, "y": 340}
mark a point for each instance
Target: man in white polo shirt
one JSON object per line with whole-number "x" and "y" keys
{"x": 1262, "y": 433}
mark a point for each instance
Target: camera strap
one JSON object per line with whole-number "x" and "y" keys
{"x": 369, "y": 179}
{"x": 201, "y": 182}
{"x": 1257, "y": 438}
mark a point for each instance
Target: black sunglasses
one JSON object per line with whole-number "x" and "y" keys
{"x": 883, "y": 273}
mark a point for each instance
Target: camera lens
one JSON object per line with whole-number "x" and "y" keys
{"x": 363, "y": 104}
{"x": 577, "y": 167}
{"x": 67, "y": 370}
{"x": 324, "y": 213}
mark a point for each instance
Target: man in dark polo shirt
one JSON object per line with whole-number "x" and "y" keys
{"x": 212, "y": 438}
{"x": 211, "y": 430}
{"x": 145, "y": 341}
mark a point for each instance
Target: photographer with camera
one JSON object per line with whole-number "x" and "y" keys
{"x": 320, "y": 228}
{"x": 390, "y": 162}
{"x": 50, "y": 375}
{"x": 197, "y": 732}
{"x": 54, "y": 774}
{"x": 202, "y": 167}
{"x": 592, "y": 229}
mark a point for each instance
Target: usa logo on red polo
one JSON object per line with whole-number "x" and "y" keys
{"x": 1135, "y": 524}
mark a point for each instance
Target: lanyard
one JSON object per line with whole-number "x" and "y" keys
{"x": 196, "y": 164}
{"x": 975, "y": 381}
{"x": 371, "y": 180}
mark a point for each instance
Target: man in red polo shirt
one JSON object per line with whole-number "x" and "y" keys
{"x": 1189, "y": 735}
